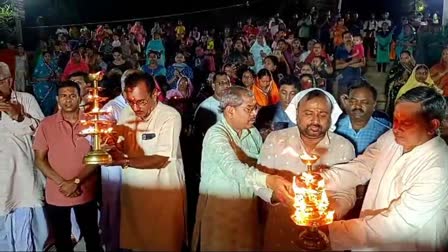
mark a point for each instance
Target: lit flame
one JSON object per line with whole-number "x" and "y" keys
{"x": 311, "y": 201}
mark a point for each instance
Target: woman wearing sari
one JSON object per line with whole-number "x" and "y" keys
{"x": 398, "y": 76}
{"x": 156, "y": 44}
{"x": 420, "y": 77}
{"x": 178, "y": 69}
{"x": 439, "y": 72}
{"x": 265, "y": 89}
{"x": 45, "y": 75}
{"x": 259, "y": 51}
{"x": 75, "y": 65}
{"x": 406, "y": 40}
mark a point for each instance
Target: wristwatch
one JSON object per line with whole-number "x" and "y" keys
{"x": 77, "y": 181}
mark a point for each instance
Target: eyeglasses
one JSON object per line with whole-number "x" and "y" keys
{"x": 140, "y": 103}
{"x": 249, "y": 110}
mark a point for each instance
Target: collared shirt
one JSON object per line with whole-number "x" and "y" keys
{"x": 114, "y": 106}
{"x": 20, "y": 184}
{"x": 152, "y": 197}
{"x": 281, "y": 152}
{"x": 66, "y": 151}
{"x": 222, "y": 173}
{"x": 280, "y": 116}
{"x": 362, "y": 138}
{"x": 406, "y": 204}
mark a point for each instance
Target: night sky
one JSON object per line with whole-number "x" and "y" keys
{"x": 79, "y": 11}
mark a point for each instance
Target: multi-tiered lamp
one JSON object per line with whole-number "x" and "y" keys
{"x": 96, "y": 126}
{"x": 312, "y": 206}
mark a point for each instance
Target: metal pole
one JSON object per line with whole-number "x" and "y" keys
{"x": 445, "y": 13}
{"x": 19, "y": 15}
{"x": 340, "y": 6}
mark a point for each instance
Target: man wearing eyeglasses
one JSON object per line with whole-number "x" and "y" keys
{"x": 22, "y": 220}
{"x": 227, "y": 214}
{"x": 153, "y": 189}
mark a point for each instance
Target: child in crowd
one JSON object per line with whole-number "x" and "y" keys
{"x": 358, "y": 48}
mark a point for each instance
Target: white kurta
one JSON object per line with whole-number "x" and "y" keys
{"x": 153, "y": 200}
{"x": 21, "y": 185}
{"x": 406, "y": 204}
{"x": 280, "y": 153}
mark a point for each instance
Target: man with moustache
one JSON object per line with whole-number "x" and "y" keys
{"x": 153, "y": 186}
{"x": 59, "y": 151}
{"x": 315, "y": 111}
{"x": 406, "y": 204}
{"x": 358, "y": 125}
{"x": 227, "y": 216}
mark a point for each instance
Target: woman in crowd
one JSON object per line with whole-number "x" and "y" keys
{"x": 439, "y": 72}
{"x": 181, "y": 96}
{"x": 384, "y": 40}
{"x": 152, "y": 67}
{"x": 239, "y": 55}
{"x": 178, "y": 69}
{"x": 45, "y": 76}
{"x": 296, "y": 51}
{"x": 398, "y": 76}
{"x": 259, "y": 51}
{"x": 246, "y": 77}
{"x": 156, "y": 44}
{"x": 406, "y": 40}
{"x": 75, "y": 65}
{"x": 118, "y": 61}
{"x": 336, "y": 32}
{"x": 420, "y": 77}
{"x": 265, "y": 89}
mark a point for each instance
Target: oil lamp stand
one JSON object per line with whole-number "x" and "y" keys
{"x": 313, "y": 239}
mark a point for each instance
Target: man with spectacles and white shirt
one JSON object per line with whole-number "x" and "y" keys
{"x": 22, "y": 220}
{"x": 153, "y": 189}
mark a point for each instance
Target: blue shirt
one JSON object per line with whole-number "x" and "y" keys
{"x": 280, "y": 116}
{"x": 349, "y": 74}
{"x": 364, "y": 137}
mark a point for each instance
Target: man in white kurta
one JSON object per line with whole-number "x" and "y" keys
{"x": 152, "y": 198}
{"x": 280, "y": 154}
{"x": 22, "y": 221}
{"x": 406, "y": 204}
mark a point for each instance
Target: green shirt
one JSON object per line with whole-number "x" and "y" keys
{"x": 222, "y": 174}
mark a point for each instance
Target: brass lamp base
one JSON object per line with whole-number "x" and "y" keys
{"x": 98, "y": 157}
{"x": 313, "y": 239}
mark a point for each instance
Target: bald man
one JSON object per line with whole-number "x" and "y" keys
{"x": 22, "y": 219}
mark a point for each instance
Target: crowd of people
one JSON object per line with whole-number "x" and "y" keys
{"x": 208, "y": 129}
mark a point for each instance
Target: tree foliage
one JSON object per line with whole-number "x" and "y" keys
{"x": 7, "y": 16}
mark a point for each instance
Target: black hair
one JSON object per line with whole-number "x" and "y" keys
{"x": 290, "y": 80}
{"x": 69, "y": 83}
{"x": 273, "y": 58}
{"x": 218, "y": 74}
{"x": 244, "y": 69}
{"x": 364, "y": 84}
{"x": 433, "y": 103}
{"x": 314, "y": 94}
{"x": 264, "y": 72}
{"x": 134, "y": 78}
{"x": 346, "y": 32}
{"x": 79, "y": 74}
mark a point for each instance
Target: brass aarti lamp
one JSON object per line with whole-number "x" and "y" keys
{"x": 312, "y": 206}
{"x": 97, "y": 127}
